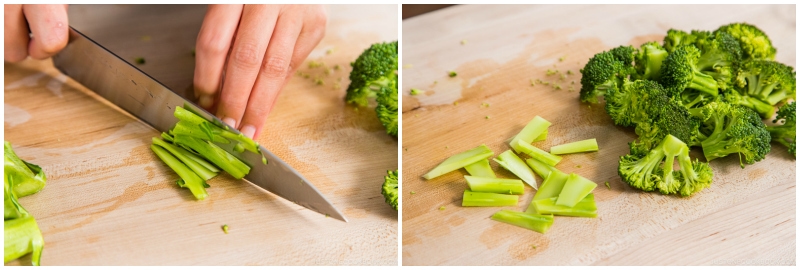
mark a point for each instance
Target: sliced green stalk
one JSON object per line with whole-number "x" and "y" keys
{"x": 22, "y": 236}
{"x": 575, "y": 190}
{"x": 541, "y": 137}
{"x": 488, "y": 199}
{"x": 192, "y": 123}
{"x": 552, "y": 185}
{"x": 495, "y": 185}
{"x": 189, "y": 179}
{"x": 589, "y": 145}
{"x": 543, "y": 170}
{"x": 584, "y": 208}
{"x": 480, "y": 168}
{"x": 12, "y": 208}
{"x": 460, "y": 160}
{"x": 539, "y": 223}
{"x": 186, "y": 157}
{"x": 514, "y": 164}
{"x": 28, "y": 178}
{"x": 216, "y": 155}
{"x": 532, "y": 130}
{"x": 523, "y": 147}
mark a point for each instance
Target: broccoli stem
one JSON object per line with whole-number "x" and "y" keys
{"x": 704, "y": 83}
{"x": 191, "y": 124}
{"x": 189, "y": 159}
{"x": 541, "y": 137}
{"x": 532, "y": 130}
{"x": 575, "y": 189}
{"x": 543, "y": 170}
{"x": 552, "y": 185}
{"x": 216, "y": 155}
{"x": 589, "y": 145}
{"x": 514, "y": 164}
{"x": 22, "y": 236}
{"x": 495, "y": 185}
{"x": 480, "y": 168}
{"x": 459, "y": 161}
{"x": 585, "y": 208}
{"x": 189, "y": 178}
{"x": 672, "y": 147}
{"x": 535, "y": 152}
{"x": 539, "y": 223}
{"x": 488, "y": 199}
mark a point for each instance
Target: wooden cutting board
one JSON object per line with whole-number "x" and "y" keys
{"x": 746, "y": 217}
{"x": 110, "y": 201}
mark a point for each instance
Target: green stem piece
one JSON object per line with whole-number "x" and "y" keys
{"x": 488, "y": 199}
{"x": 495, "y": 185}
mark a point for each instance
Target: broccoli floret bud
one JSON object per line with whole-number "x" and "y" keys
{"x": 387, "y": 107}
{"x": 671, "y": 119}
{"x": 374, "y": 69}
{"x": 755, "y": 43}
{"x": 677, "y": 38}
{"x": 732, "y": 129}
{"x": 768, "y": 81}
{"x": 785, "y": 133}
{"x": 648, "y": 59}
{"x": 654, "y": 170}
{"x": 720, "y": 55}
{"x": 389, "y": 188}
{"x": 679, "y": 72}
{"x": 633, "y": 101}
{"x": 602, "y": 72}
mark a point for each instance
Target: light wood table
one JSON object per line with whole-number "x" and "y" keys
{"x": 110, "y": 201}
{"x": 746, "y": 217}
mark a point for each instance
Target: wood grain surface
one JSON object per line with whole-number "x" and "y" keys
{"x": 110, "y": 201}
{"x": 746, "y": 217}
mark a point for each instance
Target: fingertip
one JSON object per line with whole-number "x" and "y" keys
{"x": 249, "y": 131}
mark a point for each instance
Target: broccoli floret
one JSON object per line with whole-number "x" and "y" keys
{"x": 785, "y": 133}
{"x": 624, "y": 54}
{"x": 671, "y": 118}
{"x": 762, "y": 108}
{"x": 679, "y": 72}
{"x": 731, "y": 129}
{"x": 387, "y": 107}
{"x": 634, "y": 101}
{"x": 720, "y": 55}
{"x": 677, "y": 38}
{"x": 654, "y": 171}
{"x": 648, "y": 61}
{"x": 374, "y": 69}
{"x": 768, "y": 81}
{"x": 601, "y": 73}
{"x": 755, "y": 43}
{"x": 389, "y": 188}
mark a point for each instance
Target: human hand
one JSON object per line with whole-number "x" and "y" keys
{"x": 49, "y": 26}
{"x": 246, "y": 54}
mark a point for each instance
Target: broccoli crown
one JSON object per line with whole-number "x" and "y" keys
{"x": 785, "y": 133}
{"x": 677, "y": 38}
{"x": 602, "y": 72}
{"x": 624, "y": 54}
{"x": 387, "y": 107}
{"x": 768, "y": 81}
{"x": 731, "y": 129}
{"x": 634, "y": 102}
{"x": 755, "y": 43}
{"x": 389, "y": 188}
{"x": 671, "y": 118}
{"x": 375, "y": 68}
{"x": 679, "y": 72}
{"x": 654, "y": 170}
{"x": 721, "y": 54}
{"x": 648, "y": 61}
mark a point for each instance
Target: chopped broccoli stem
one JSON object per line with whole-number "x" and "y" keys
{"x": 541, "y": 137}
{"x": 480, "y": 168}
{"x": 193, "y": 125}
{"x": 608, "y": 185}
{"x": 215, "y": 154}
{"x": 575, "y": 190}
{"x": 189, "y": 159}
{"x": 585, "y": 208}
{"x": 459, "y": 161}
{"x": 189, "y": 179}
{"x": 22, "y": 236}
{"x": 543, "y": 170}
{"x": 532, "y": 130}
{"x": 514, "y": 164}
{"x": 589, "y": 145}
{"x": 28, "y": 178}
{"x": 539, "y": 223}
{"x": 536, "y": 153}
{"x": 552, "y": 185}
{"x": 495, "y": 185}
{"x": 488, "y": 199}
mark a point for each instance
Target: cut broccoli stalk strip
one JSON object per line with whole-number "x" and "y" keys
{"x": 520, "y": 146}
{"x": 459, "y": 161}
{"x": 189, "y": 159}
{"x": 534, "y": 222}
{"x": 514, "y": 164}
{"x": 552, "y": 185}
{"x": 22, "y": 236}
{"x": 589, "y": 145}
{"x": 28, "y": 178}
{"x": 216, "y": 155}
{"x": 488, "y": 199}
{"x": 189, "y": 179}
{"x": 543, "y": 170}
{"x": 535, "y": 128}
{"x": 495, "y": 185}
{"x": 193, "y": 125}
{"x": 480, "y": 168}
{"x": 575, "y": 189}
{"x": 541, "y": 137}
{"x": 585, "y": 208}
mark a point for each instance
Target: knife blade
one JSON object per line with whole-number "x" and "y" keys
{"x": 121, "y": 83}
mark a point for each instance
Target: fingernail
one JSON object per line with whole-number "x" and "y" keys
{"x": 249, "y": 131}
{"x": 229, "y": 121}
{"x": 205, "y": 101}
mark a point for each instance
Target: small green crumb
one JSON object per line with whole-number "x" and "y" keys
{"x": 330, "y": 51}
{"x": 563, "y": 77}
{"x": 225, "y": 228}
{"x": 435, "y": 82}
{"x": 337, "y": 67}
{"x": 412, "y": 192}
{"x": 533, "y": 83}
{"x": 455, "y": 103}
{"x": 145, "y": 38}
{"x": 406, "y": 149}
{"x": 327, "y": 216}
{"x": 194, "y": 52}
{"x": 487, "y": 117}
{"x": 140, "y": 60}
{"x": 562, "y": 58}
{"x": 319, "y": 81}
{"x": 314, "y": 64}
{"x": 463, "y": 42}
{"x": 485, "y": 105}
{"x": 571, "y": 88}
{"x": 407, "y": 66}
{"x": 264, "y": 160}
{"x": 573, "y": 82}
{"x": 441, "y": 208}
{"x": 569, "y": 72}
{"x": 533, "y": 246}
{"x": 551, "y": 72}
{"x": 452, "y": 74}
{"x": 415, "y": 91}
{"x": 558, "y": 87}
{"x": 337, "y": 86}
{"x": 446, "y": 147}
{"x": 578, "y": 166}
{"x": 608, "y": 185}
{"x": 327, "y": 72}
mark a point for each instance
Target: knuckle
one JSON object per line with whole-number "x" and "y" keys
{"x": 212, "y": 45}
{"x": 246, "y": 55}
{"x": 275, "y": 66}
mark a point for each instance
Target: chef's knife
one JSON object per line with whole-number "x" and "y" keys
{"x": 126, "y": 86}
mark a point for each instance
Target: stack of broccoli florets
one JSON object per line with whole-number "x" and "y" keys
{"x": 706, "y": 89}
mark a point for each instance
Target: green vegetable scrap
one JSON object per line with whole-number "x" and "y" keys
{"x": 139, "y": 60}
{"x": 459, "y": 161}
{"x": 480, "y": 168}
{"x": 488, "y": 199}
{"x": 452, "y": 74}
{"x": 225, "y": 228}
{"x": 538, "y": 223}
{"x": 514, "y": 164}
{"x": 589, "y": 145}
{"x": 495, "y": 185}
{"x": 575, "y": 189}
{"x": 584, "y": 208}
{"x": 21, "y": 233}
{"x": 415, "y": 91}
